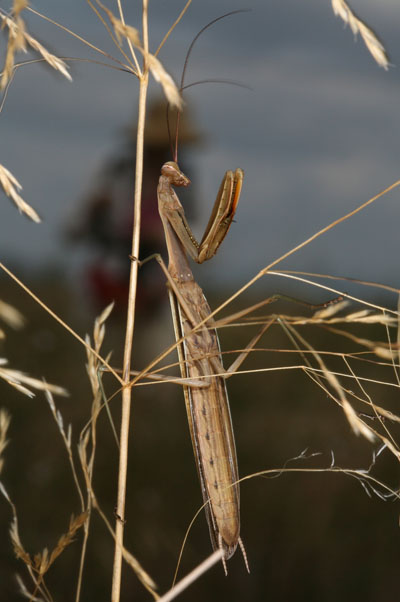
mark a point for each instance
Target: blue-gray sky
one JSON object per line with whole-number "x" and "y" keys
{"x": 317, "y": 134}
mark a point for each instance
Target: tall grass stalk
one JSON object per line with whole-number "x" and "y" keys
{"x": 130, "y": 323}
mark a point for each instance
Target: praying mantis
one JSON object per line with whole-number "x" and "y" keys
{"x": 199, "y": 353}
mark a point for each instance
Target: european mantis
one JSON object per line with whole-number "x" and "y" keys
{"x": 199, "y": 355}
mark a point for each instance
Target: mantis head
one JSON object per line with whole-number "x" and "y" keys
{"x": 175, "y": 176}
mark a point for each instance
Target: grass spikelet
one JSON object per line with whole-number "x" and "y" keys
{"x": 75, "y": 523}
{"x": 159, "y": 73}
{"x": 168, "y": 85}
{"x": 18, "y": 40}
{"x": 122, "y": 30}
{"x": 42, "y": 561}
{"x": 358, "y": 426}
{"x": 140, "y": 572}
{"x": 387, "y": 414}
{"x": 39, "y": 564}
{"x": 18, "y": 548}
{"x": 94, "y": 366}
{"x": 18, "y": 6}
{"x": 51, "y": 59}
{"x": 375, "y": 47}
{"x": 11, "y": 186}
{"x": 11, "y": 316}
{"x": 380, "y": 349}
{"x": 99, "y": 327}
{"x": 18, "y": 379}
{"x": 25, "y": 593}
{"x": 330, "y": 310}
{"x": 4, "y": 424}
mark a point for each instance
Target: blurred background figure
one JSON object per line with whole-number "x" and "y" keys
{"x": 105, "y": 218}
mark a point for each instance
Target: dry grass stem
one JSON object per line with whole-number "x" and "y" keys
{"x": 19, "y": 549}
{"x": 130, "y": 322}
{"x": 81, "y": 39}
{"x": 142, "y": 575}
{"x": 369, "y": 401}
{"x": 171, "y": 29}
{"x": 292, "y": 275}
{"x": 131, "y": 35}
{"x": 359, "y": 317}
{"x": 67, "y": 438}
{"x": 202, "y": 568}
{"x": 58, "y": 319}
{"x": 375, "y": 47}
{"x": 11, "y": 186}
{"x": 382, "y": 350}
{"x": 370, "y": 484}
{"x": 89, "y": 433}
{"x": 130, "y": 44}
{"x": 134, "y": 67}
{"x": 355, "y": 419}
{"x": 367, "y": 283}
{"x": 359, "y": 427}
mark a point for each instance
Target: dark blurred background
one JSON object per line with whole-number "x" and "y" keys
{"x": 316, "y": 136}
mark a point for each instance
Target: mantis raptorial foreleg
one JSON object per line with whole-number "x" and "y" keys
{"x": 207, "y": 408}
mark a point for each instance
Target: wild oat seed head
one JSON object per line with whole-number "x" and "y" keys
{"x": 122, "y": 31}
{"x": 19, "y": 6}
{"x": 11, "y": 316}
{"x": 170, "y": 88}
{"x": 18, "y": 379}
{"x": 375, "y": 47}
{"x": 10, "y": 186}
{"x": 18, "y": 40}
{"x": 24, "y": 592}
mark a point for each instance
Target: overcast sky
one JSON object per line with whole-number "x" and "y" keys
{"x": 317, "y": 134}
